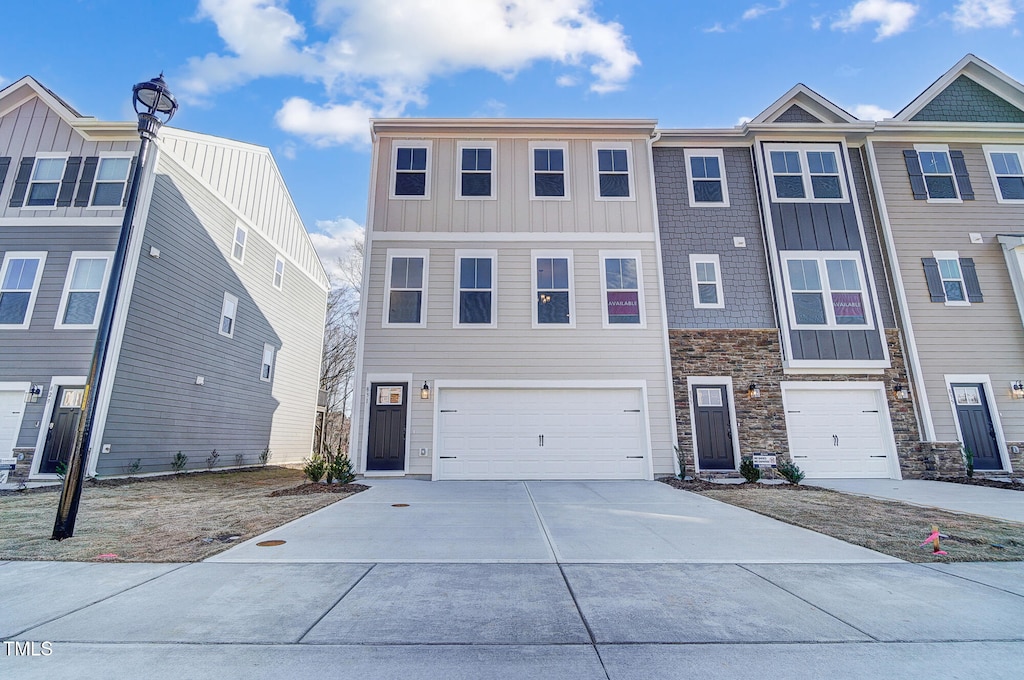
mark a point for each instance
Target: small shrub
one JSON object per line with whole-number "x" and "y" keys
{"x": 750, "y": 472}
{"x": 314, "y": 467}
{"x": 339, "y": 468}
{"x": 61, "y": 470}
{"x": 211, "y": 460}
{"x": 134, "y": 466}
{"x": 790, "y": 471}
{"x": 264, "y": 457}
{"x": 179, "y": 461}
{"x": 968, "y": 455}
{"x": 239, "y": 460}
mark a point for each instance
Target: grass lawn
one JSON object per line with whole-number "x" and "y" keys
{"x": 181, "y": 518}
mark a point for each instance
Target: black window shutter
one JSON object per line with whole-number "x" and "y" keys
{"x": 128, "y": 184}
{"x": 21, "y": 182}
{"x": 916, "y": 176}
{"x": 5, "y": 163}
{"x": 85, "y": 184}
{"x": 934, "y": 279}
{"x": 971, "y": 279}
{"x": 67, "y": 185}
{"x": 963, "y": 180}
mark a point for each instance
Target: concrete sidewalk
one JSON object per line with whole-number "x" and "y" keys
{"x": 977, "y": 500}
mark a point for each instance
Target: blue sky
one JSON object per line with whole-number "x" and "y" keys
{"x": 302, "y": 76}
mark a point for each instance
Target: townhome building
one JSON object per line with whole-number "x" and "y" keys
{"x": 512, "y": 324}
{"x": 218, "y": 333}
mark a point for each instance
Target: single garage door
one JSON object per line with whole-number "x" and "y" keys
{"x": 541, "y": 434}
{"x": 12, "y": 404}
{"x": 839, "y": 433}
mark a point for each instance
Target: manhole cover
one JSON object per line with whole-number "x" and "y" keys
{"x": 269, "y": 544}
{"x": 399, "y": 505}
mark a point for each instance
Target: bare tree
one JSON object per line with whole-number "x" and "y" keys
{"x": 337, "y": 373}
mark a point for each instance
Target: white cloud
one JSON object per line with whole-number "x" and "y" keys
{"x": 743, "y": 120}
{"x": 760, "y": 10}
{"x": 3, "y": 81}
{"x": 717, "y": 28}
{"x": 816, "y": 23}
{"x": 983, "y": 14}
{"x": 892, "y": 17}
{"x": 326, "y": 125}
{"x": 333, "y": 241}
{"x": 565, "y": 81}
{"x": 871, "y": 112}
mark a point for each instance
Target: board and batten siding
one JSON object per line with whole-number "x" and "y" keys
{"x": 983, "y": 338}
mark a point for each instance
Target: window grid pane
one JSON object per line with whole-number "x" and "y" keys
{"x": 549, "y": 173}
{"x": 613, "y": 173}
{"x": 553, "y": 290}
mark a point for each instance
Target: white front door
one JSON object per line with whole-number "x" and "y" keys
{"x": 840, "y": 432}
{"x": 541, "y": 434}
{"x": 12, "y": 407}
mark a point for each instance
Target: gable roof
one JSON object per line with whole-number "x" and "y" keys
{"x": 27, "y": 88}
{"x": 808, "y": 102}
{"x": 967, "y": 73}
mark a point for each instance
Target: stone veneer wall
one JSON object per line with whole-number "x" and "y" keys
{"x": 754, "y": 356}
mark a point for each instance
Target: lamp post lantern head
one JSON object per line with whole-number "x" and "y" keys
{"x": 153, "y": 100}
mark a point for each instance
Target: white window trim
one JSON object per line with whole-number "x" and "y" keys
{"x": 701, "y": 153}
{"x": 268, "y": 348}
{"x": 534, "y": 256}
{"x": 75, "y": 257}
{"x": 564, "y": 146}
{"x": 127, "y": 181}
{"x": 713, "y": 259}
{"x": 493, "y": 146}
{"x": 393, "y": 168}
{"x": 278, "y": 263}
{"x": 805, "y": 172}
{"x": 952, "y": 255}
{"x": 223, "y": 313}
{"x": 239, "y": 226}
{"x": 459, "y": 255}
{"x": 28, "y": 189}
{"x": 631, "y": 170}
{"x": 826, "y": 291}
{"x": 622, "y": 254}
{"x": 26, "y": 255}
{"x": 943, "y": 148}
{"x": 392, "y": 253}
{"x": 988, "y": 150}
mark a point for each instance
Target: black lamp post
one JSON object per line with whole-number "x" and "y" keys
{"x": 153, "y": 101}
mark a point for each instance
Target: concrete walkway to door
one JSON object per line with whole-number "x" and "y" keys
{"x": 541, "y": 522}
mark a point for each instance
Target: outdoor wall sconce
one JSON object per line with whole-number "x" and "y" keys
{"x": 900, "y": 391}
{"x": 1017, "y": 389}
{"x": 754, "y": 392}
{"x": 33, "y": 394}
{"x": 425, "y": 391}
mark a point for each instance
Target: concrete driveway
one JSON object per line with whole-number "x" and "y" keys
{"x": 540, "y": 522}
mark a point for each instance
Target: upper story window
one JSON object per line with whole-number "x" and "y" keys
{"x": 410, "y": 176}
{"x": 623, "y": 296}
{"x": 405, "y": 302}
{"x": 552, "y": 284}
{"x": 1006, "y": 164}
{"x": 614, "y": 180}
{"x": 706, "y": 178}
{"x": 84, "y": 288}
{"x": 548, "y": 169}
{"x": 474, "y": 303}
{"x": 278, "y": 272}
{"x": 19, "y": 284}
{"x": 938, "y": 174}
{"x": 805, "y": 173}
{"x": 951, "y": 279}
{"x": 825, "y": 289}
{"x": 476, "y": 170}
{"x": 228, "y": 313}
{"x": 706, "y": 275}
{"x": 238, "y": 245}
{"x": 267, "y": 367}
{"x": 111, "y": 180}
{"x": 44, "y": 184}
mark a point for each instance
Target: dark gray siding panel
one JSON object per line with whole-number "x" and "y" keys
{"x": 815, "y": 226}
{"x": 863, "y": 345}
{"x": 796, "y": 114}
{"x": 967, "y": 101}
{"x": 872, "y": 239}
{"x": 686, "y": 230}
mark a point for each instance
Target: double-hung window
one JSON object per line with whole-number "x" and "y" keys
{"x": 952, "y": 279}
{"x": 475, "y": 293}
{"x": 278, "y": 272}
{"x": 111, "y": 180}
{"x": 267, "y": 367}
{"x": 19, "y": 283}
{"x": 44, "y": 184}
{"x": 552, "y": 284}
{"x": 1006, "y": 165}
{"x": 706, "y": 275}
{"x": 238, "y": 244}
{"x": 476, "y": 170}
{"x": 805, "y": 173}
{"x": 938, "y": 174}
{"x": 410, "y": 176}
{"x": 623, "y": 295}
{"x": 228, "y": 314}
{"x": 826, "y": 290}
{"x": 405, "y": 302}
{"x": 84, "y": 288}
{"x": 547, "y": 166}
{"x": 706, "y": 178}
{"x": 614, "y": 180}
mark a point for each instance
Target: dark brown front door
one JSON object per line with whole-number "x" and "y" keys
{"x": 713, "y": 428}
{"x": 60, "y": 437}
{"x": 976, "y": 425}
{"x": 386, "y": 445}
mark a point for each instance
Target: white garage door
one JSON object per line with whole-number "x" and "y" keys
{"x": 541, "y": 434}
{"x": 12, "y": 404}
{"x": 839, "y": 433}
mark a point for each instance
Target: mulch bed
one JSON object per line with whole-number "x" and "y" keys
{"x": 317, "y": 487}
{"x": 704, "y": 485}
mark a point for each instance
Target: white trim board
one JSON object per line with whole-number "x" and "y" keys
{"x": 44, "y": 426}
{"x": 993, "y": 411}
{"x": 726, "y": 381}
{"x": 529, "y": 237}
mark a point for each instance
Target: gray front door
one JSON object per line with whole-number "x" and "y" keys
{"x": 386, "y": 441}
{"x": 60, "y": 437}
{"x": 713, "y": 428}
{"x": 976, "y": 425}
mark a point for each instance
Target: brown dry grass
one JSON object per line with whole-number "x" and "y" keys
{"x": 185, "y": 518}
{"x": 889, "y": 527}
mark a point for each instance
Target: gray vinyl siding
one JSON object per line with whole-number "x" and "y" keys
{"x": 985, "y": 338}
{"x": 685, "y": 230}
{"x": 796, "y": 114}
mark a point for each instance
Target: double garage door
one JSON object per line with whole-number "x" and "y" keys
{"x": 541, "y": 434}
{"x": 839, "y": 432}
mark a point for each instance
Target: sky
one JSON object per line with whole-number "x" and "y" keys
{"x": 302, "y": 77}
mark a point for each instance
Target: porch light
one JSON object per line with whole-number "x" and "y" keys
{"x": 1017, "y": 389}
{"x": 33, "y": 394}
{"x": 900, "y": 391}
{"x": 754, "y": 392}
{"x": 425, "y": 391}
